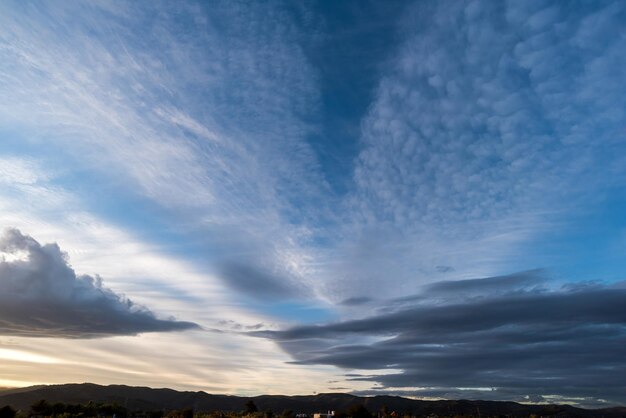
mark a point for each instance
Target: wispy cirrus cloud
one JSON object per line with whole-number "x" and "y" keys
{"x": 196, "y": 123}
{"x": 150, "y": 276}
{"x": 211, "y": 127}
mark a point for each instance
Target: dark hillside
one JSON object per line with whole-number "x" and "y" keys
{"x": 144, "y": 398}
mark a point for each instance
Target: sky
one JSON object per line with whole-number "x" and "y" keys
{"x": 421, "y": 198}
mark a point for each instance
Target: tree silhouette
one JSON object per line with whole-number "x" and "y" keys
{"x": 287, "y": 413}
{"x": 41, "y": 407}
{"x": 181, "y": 413}
{"x": 359, "y": 411}
{"x": 7, "y": 412}
{"x": 251, "y": 407}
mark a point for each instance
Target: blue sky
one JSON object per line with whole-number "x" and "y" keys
{"x": 227, "y": 174}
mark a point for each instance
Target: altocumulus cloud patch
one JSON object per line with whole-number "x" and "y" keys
{"x": 41, "y": 296}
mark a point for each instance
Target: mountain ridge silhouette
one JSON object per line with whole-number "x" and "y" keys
{"x": 146, "y": 398}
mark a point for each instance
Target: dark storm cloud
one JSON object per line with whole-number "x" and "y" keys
{"x": 41, "y": 296}
{"x": 519, "y": 337}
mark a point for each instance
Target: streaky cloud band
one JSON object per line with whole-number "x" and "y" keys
{"x": 513, "y": 333}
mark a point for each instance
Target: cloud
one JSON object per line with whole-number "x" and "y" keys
{"x": 128, "y": 95}
{"x": 489, "y": 121}
{"x": 197, "y": 129}
{"x": 258, "y": 283}
{"x": 491, "y": 286}
{"x": 41, "y": 296}
{"x": 520, "y": 340}
{"x": 356, "y": 301}
{"x": 487, "y": 130}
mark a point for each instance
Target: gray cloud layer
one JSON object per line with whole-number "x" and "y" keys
{"x": 41, "y": 296}
{"x": 519, "y": 337}
{"x": 253, "y": 281}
